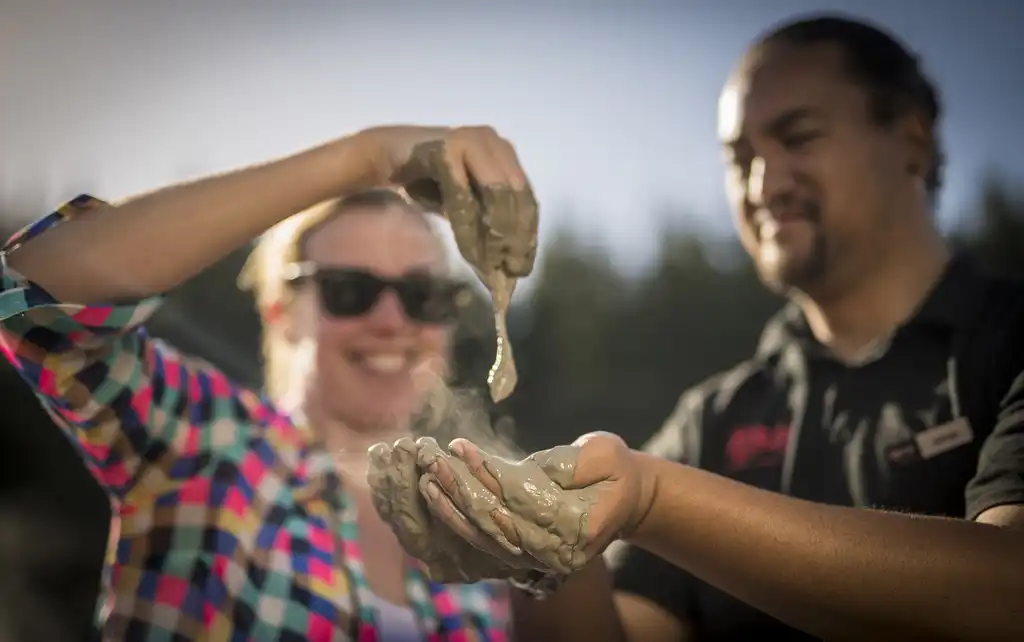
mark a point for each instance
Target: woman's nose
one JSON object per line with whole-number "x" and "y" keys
{"x": 388, "y": 312}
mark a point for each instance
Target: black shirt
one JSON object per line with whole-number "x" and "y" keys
{"x": 932, "y": 423}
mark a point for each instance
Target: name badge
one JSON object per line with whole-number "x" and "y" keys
{"x": 942, "y": 439}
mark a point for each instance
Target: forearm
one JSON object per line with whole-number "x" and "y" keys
{"x": 153, "y": 243}
{"x": 840, "y": 573}
{"x": 581, "y": 610}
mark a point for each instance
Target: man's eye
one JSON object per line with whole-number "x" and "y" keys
{"x": 799, "y": 139}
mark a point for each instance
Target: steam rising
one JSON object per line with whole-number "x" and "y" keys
{"x": 451, "y": 413}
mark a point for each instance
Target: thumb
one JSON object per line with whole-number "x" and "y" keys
{"x": 561, "y": 464}
{"x": 589, "y": 460}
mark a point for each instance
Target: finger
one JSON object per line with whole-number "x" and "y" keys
{"x": 427, "y": 452}
{"x": 514, "y": 222}
{"x": 594, "y": 457}
{"x": 478, "y": 504}
{"x": 404, "y": 454}
{"x": 418, "y": 176}
{"x": 522, "y": 245}
{"x": 551, "y": 532}
{"x": 380, "y": 455}
{"x": 460, "y": 206}
{"x": 473, "y": 146}
{"x": 505, "y": 157}
{"x": 379, "y": 481}
{"x": 471, "y": 455}
{"x": 400, "y": 498}
{"x": 406, "y": 475}
{"x": 598, "y": 533}
{"x": 484, "y": 182}
{"x": 502, "y": 225}
{"x": 445, "y": 511}
{"x": 499, "y": 222}
{"x": 447, "y": 516}
{"x": 560, "y": 464}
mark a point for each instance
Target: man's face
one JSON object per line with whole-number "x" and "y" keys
{"x": 812, "y": 178}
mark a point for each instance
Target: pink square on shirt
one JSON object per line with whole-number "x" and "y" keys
{"x": 445, "y": 604}
{"x": 171, "y": 590}
{"x": 320, "y": 628}
{"x": 92, "y": 315}
{"x": 319, "y": 570}
{"x": 47, "y": 379}
{"x": 235, "y": 501}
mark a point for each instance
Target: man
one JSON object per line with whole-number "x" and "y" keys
{"x": 877, "y": 434}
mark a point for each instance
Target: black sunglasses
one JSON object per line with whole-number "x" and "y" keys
{"x": 349, "y": 292}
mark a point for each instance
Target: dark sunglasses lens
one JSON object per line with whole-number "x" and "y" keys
{"x": 349, "y": 294}
{"x": 429, "y": 300}
{"x": 426, "y": 299}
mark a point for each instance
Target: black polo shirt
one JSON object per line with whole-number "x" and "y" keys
{"x": 931, "y": 423}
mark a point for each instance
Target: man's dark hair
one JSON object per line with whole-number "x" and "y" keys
{"x": 884, "y": 67}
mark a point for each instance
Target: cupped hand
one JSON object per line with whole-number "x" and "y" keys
{"x": 395, "y": 489}
{"x": 561, "y": 507}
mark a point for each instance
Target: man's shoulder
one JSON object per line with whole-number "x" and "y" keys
{"x": 715, "y": 394}
{"x": 706, "y": 407}
{"x": 991, "y": 344}
{"x": 998, "y": 318}
{"x": 1005, "y": 296}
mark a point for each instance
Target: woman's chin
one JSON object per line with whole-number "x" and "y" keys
{"x": 383, "y": 416}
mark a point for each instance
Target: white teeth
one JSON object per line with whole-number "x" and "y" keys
{"x": 385, "y": 363}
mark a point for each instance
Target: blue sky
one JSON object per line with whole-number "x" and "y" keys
{"x": 611, "y": 104}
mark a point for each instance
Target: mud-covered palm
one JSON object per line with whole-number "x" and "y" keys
{"x": 395, "y": 484}
{"x": 561, "y": 506}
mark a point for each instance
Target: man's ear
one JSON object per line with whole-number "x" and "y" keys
{"x": 919, "y": 138}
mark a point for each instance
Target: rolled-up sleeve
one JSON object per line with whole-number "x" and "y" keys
{"x": 140, "y": 413}
{"x": 1000, "y": 476}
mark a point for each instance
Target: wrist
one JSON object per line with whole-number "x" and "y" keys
{"x": 649, "y": 480}
{"x": 347, "y": 165}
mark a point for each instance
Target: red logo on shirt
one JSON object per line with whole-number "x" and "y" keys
{"x": 756, "y": 446}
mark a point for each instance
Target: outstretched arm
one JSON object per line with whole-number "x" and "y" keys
{"x": 845, "y": 573}
{"x": 153, "y": 243}
{"x": 835, "y": 572}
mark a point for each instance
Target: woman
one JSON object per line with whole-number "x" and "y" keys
{"x": 245, "y": 517}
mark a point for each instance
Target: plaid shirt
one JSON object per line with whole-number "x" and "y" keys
{"x": 232, "y": 527}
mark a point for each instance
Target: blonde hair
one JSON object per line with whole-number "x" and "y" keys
{"x": 265, "y": 271}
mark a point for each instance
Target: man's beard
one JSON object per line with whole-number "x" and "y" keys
{"x": 801, "y": 273}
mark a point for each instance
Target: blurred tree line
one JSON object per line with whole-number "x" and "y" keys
{"x": 597, "y": 350}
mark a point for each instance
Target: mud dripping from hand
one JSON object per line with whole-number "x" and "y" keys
{"x": 495, "y": 228}
{"x": 502, "y": 377}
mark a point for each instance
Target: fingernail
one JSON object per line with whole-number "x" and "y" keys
{"x": 433, "y": 490}
{"x": 457, "y": 449}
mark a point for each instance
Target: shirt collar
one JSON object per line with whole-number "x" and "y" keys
{"x": 950, "y": 305}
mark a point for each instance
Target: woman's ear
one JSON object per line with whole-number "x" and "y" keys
{"x": 277, "y": 321}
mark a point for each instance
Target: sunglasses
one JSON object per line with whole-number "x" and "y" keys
{"x": 349, "y": 292}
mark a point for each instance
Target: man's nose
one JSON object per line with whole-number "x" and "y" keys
{"x": 768, "y": 180}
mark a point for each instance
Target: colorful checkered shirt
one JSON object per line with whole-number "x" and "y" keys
{"x": 232, "y": 526}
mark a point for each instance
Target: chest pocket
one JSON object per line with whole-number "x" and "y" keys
{"x": 924, "y": 453}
